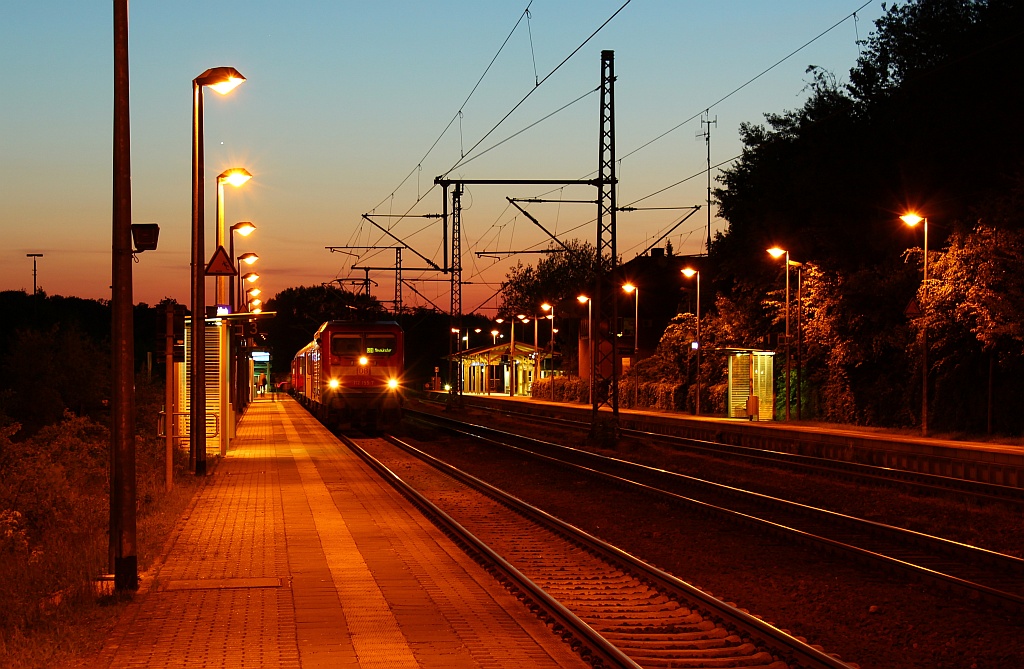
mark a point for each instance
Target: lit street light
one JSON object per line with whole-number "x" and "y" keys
{"x": 551, "y": 361}
{"x": 224, "y": 299}
{"x": 244, "y": 228}
{"x": 583, "y": 299}
{"x": 630, "y": 288}
{"x": 222, "y": 80}
{"x": 777, "y": 253}
{"x": 236, "y": 176}
{"x": 913, "y": 219}
{"x": 690, "y": 272}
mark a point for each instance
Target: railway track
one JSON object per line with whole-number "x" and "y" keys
{"x": 977, "y": 573}
{"x": 614, "y": 609}
{"x": 976, "y": 491}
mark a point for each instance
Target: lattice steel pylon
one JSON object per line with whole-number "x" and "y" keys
{"x": 603, "y": 340}
{"x": 456, "y": 277}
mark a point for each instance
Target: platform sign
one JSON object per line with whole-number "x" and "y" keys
{"x": 220, "y": 264}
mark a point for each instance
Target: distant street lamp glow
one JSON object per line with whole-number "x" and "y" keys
{"x": 777, "y": 253}
{"x": 631, "y": 289}
{"x": 551, "y": 361}
{"x": 689, "y": 272}
{"x": 584, "y": 299}
{"x": 248, "y": 258}
{"x": 913, "y": 219}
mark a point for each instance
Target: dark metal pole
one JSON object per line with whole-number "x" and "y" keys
{"x": 799, "y": 339}
{"x": 700, "y": 344}
{"x": 197, "y": 378}
{"x": 787, "y": 335}
{"x": 924, "y": 341}
{"x": 123, "y": 558}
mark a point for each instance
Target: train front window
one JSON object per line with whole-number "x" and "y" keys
{"x": 346, "y": 344}
{"x": 380, "y": 344}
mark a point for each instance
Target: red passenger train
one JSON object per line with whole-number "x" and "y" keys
{"x": 351, "y": 373}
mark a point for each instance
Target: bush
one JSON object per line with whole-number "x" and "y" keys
{"x": 53, "y": 515}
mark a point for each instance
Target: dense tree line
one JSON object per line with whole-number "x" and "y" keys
{"x": 928, "y": 120}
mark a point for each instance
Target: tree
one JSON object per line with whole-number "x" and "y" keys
{"x": 561, "y": 274}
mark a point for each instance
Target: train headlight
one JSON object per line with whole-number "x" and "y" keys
{"x": 333, "y": 384}
{"x": 363, "y": 360}
{"x": 392, "y": 383}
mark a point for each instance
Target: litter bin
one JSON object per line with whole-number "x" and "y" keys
{"x": 753, "y": 407}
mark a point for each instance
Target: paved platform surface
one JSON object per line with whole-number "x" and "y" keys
{"x": 296, "y": 555}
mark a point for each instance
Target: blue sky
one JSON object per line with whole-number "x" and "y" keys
{"x": 342, "y": 102}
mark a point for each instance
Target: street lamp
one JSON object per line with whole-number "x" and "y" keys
{"x": 551, "y": 344}
{"x": 688, "y": 273}
{"x": 776, "y": 253}
{"x": 244, "y": 228}
{"x": 913, "y": 219}
{"x": 222, "y": 80}
{"x": 583, "y": 299}
{"x": 630, "y": 288}
{"x": 236, "y": 176}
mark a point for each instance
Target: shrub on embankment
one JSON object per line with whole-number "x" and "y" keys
{"x": 54, "y": 515}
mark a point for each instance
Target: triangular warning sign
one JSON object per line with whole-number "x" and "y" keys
{"x": 220, "y": 264}
{"x": 913, "y": 309}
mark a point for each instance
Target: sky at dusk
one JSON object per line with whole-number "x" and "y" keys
{"x": 354, "y": 107}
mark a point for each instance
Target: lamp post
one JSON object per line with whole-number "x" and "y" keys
{"x": 630, "y": 288}
{"x": 551, "y": 345}
{"x": 776, "y": 252}
{"x": 689, "y": 272}
{"x": 249, "y": 259}
{"x": 244, "y": 228}
{"x": 913, "y": 219}
{"x": 590, "y": 340}
{"x": 222, "y": 80}
{"x": 236, "y": 176}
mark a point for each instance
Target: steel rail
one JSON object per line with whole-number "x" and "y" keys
{"x": 798, "y": 654}
{"x": 598, "y": 650}
{"x": 855, "y": 471}
{"x": 970, "y": 554}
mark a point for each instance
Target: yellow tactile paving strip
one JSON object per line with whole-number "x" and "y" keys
{"x": 296, "y": 555}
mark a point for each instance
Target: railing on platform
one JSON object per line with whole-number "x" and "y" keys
{"x": 180, "y": 426}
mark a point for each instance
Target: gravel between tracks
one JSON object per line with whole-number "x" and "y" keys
{"x": 864, "y": 616}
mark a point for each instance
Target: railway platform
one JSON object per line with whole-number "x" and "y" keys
{"x": 295, "y": 554}
{"x": 986, "y": 462}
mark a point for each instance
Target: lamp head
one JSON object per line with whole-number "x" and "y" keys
{"x": 911, "y": 219}
{"x": 251, "y": 277}
{"x": 248, "y": 258}
{"x": 220, "y": 79}
{"x": 253, "y": 292}
{"x": 244, "y": 228}
{"x": 236, "y": 176}
{"x": 689, "y": 272}
{"x": 776, "y": 252}
{"x": 582, "y": 299}
{"x": 546, "y": 307}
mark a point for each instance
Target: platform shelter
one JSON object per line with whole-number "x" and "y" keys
{"x": 503, "y": 368}
{"x": 751, "y": 375}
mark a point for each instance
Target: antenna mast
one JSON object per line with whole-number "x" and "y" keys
{"x": 706, "y": 120}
